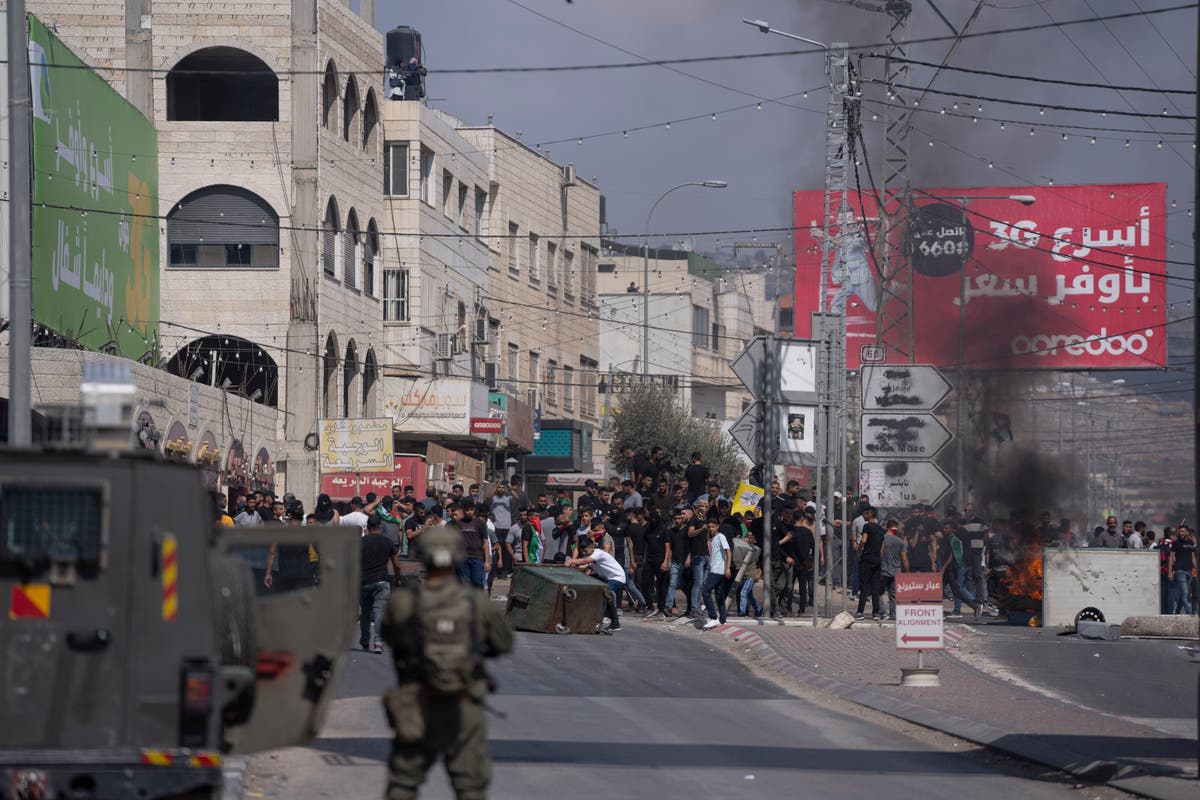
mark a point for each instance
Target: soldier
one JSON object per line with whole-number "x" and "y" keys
{"x": 440, "y": 632}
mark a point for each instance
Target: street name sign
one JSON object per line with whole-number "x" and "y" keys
{"x": 902, "y": 435}
{"x": 903, "y": 387}
{"x": 919, "y": 587}
{"x": 919, "y": 627}
{"x": 899, "y": 484}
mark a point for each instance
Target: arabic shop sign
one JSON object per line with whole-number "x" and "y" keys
{"x": 356, "y": 445}
{"x": 434, "y": 405}
{"x": 95, "y": 190}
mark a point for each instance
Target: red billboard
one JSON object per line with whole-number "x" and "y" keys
{"x": 1068, "y": 277}
{"x": 408, "y": 471}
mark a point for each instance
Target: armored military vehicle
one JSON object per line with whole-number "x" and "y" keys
{"x": 136, "y": 653}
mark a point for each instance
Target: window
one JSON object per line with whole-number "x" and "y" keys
{"x": 447, "y": 193}
{"x": 350, "y": 110}
{"x": 568, "y": 274}
{"x": 427, "y": 175}
{"x": 607, "y": 269}
{"x": 552, "y": 382}
{"x": 223, "y": 226}
{"x": 39, "y": 523}
{"x": 370, "y": 122}
{"x": 513, "y": 365}
{"x": 514, "y": 265}
{"x": 461, "y": 216}
{"x": 350, "y": 250}
{"x": 551, "y": 265}
{"x": 329, "y": 94}
{"x": 370, "y": 256}
{"x": 534, "y": 372}
{"x": 395, "y": 169}
{"x": 535, "y": 259}
{"x": 568, "y": 388}
{"x": 395, "y": 295}
{"x": 700, "y": 329}
{"x": 718, "y": 335}
{"x": 223, "y": 84}
{"x": 589, "y": 377}
{"x": 481, "y": 198}
{"x": 588, "y": 268}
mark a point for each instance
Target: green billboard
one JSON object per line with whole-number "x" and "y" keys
{"x": 95, "y": 205}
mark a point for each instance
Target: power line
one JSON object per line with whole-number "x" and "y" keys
{"x": 1035, "y": 78}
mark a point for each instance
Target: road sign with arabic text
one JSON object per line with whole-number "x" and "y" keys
{"x": 907, "y": 387}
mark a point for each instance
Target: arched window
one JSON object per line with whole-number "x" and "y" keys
{"x": 329, "y": 369}
{"x": 329, "y": 234}
{"x": 350, "y": 381}
{"x": 370, "y": 257}
{"x": 370, "y": 123}
{"x": 235, "y": 364}
{"x": 350, "y": 245}
{"x": 223, "y": 226}
{"x": 329, "y": 94}
{"x": 349, "y": 109}
{"x": 370, "y": 386}
{"x": 222, "y": 84}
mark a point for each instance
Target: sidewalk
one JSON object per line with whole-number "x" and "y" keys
{"x": 862, "y": 665}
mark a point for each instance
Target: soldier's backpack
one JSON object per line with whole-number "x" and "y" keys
{"x": 444, "y": 643}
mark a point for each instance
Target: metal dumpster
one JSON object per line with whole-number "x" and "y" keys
{"x": 550, "y": 599}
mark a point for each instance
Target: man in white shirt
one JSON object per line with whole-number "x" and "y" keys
{"x": 1135, "y": 540}
{"x": 356, "y": 515}
{"x": 606, "y": 569}
{"x": 718, "y": 577}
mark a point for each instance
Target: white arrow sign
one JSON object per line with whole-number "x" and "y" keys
{"x": 903, "y": 387}
{"x": 748, "y": 367}
{"x": 746, "y": 430}
{"x": 899, "y": 484}
{"x": 900, "y": 435}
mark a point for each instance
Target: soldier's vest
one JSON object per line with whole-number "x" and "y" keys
{"x": 444, "y": 642}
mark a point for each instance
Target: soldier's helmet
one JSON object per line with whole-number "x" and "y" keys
{"x": 441, "y": 547}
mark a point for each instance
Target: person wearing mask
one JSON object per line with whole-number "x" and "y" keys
{"x": 870, "y": 557}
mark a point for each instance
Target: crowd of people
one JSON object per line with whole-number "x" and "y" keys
{"x": 667, "y": 542}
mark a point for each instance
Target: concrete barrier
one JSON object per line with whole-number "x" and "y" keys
{"x": 1167, "y": 626}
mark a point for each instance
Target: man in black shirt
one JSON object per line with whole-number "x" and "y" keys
{"x": 696, "y": 476}
{"x": 919, "y": 532}
{"x": 652, "y": 560}
{"x": 782, "y": 561}
{"x": 1180, "y": 564}
{"x": 870, "y": 559}
{"x": 802, "y": 544}
{"x": 678, "y": 554}
{"x": 377, "y": 552}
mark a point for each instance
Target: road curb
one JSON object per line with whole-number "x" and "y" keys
{"x": 1029, "y": 748}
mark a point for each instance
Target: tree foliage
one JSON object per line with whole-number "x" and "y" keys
{"x": 652, "y": 415}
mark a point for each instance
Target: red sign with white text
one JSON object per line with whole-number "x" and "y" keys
{"x": 487, "y": 425}
{"x": 1075, "y": 280}
{"x": 408, "y": 471}
{"x": 919, "y": 587}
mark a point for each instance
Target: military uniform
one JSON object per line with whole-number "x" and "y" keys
{"x": 434, "y": 711}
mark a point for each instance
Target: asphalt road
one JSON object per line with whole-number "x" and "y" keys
{"x": 1151, "y": 681}
{"x": 642, "y": 714}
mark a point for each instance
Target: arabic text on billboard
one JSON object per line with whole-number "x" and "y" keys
{"x": 95, "y": 275}
{"x": 1074, "y": 281}
{"x": 356, "y": 445}
{"x": 434, "y": 405}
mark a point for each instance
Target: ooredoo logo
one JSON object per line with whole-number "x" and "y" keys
{"x": 1100, "y": 344}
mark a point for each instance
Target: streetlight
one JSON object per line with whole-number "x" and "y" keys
{"x": 765, "y": 27}
{"x": 646, "y": 271}
{"x": 963, "y": 200}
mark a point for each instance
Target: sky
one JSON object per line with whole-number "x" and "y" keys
{"x": 765, "y": 155}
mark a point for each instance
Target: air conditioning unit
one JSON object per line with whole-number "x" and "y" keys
{"x": 443, "y": 349}
{"x": 568, "y": 173}
{"x": 491, "y": 374}
{"x": 481, "y": 330}
{"x": 458, "y": 342}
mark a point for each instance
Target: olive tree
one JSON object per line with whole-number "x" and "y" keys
{"x": 653, "y": 415}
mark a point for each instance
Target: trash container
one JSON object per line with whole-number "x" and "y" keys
{"x": 550, "y": 599}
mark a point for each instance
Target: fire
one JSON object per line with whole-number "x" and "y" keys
{"x": 1024, "y": 578}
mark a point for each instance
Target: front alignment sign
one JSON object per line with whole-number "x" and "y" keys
{"x": 919, "y": 627}
{"x": 1074, "y": 281}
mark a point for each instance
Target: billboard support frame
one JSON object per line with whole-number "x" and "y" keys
{"x": 20, "y": 242}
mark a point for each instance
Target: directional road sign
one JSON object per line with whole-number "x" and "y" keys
{"x": 899, "y": 484}
{"x": 748, "y": 367}
{"x": 903, "y": 387}
{"x": 919, "y": 627}
{"x": 902, "y": 435}
{"x": 747, "y": 431}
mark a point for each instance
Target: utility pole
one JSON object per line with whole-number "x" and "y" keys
{"x": 769, "y": 441}
{"x": 20, "y": 242}
{"x": 1196, "y": 359}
